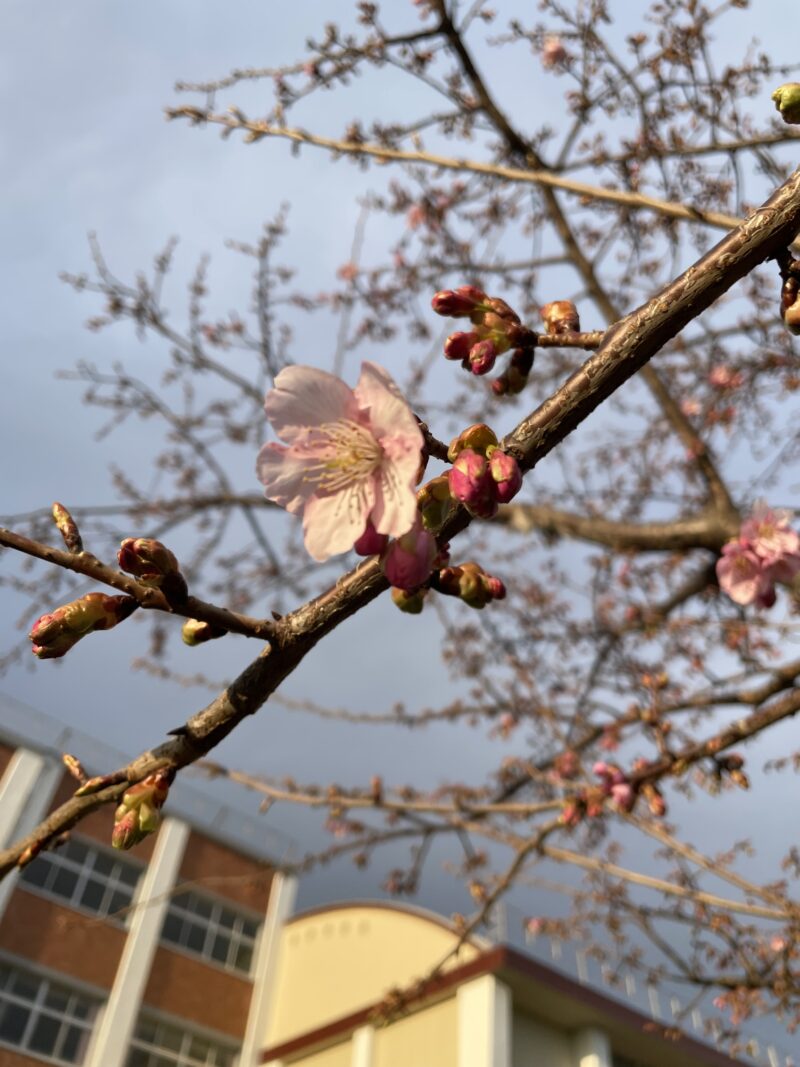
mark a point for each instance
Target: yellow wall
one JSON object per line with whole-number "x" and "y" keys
{"x": 428, "y": 1038}
{"x": 336, "y": 1056}
{"x": 337, "y": 961}
{"x": 535, "y": 1044}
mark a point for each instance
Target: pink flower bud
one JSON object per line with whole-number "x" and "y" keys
{"x": 507, "y": 475}
{"x": 371, "y": 543}
{"x": 623, "y": 796}
{"x": 409, "y": 559}
{"x": 139, "y": 812}
{"x": 54, "y": 634}
{"x": 495, "y": 588}
{"x": 459, "y": 345}
{"x": 457, "y": 303}
{"x": 472, "y": 484}
{"x": 153, "y": 564}
{"x": 482, "y": 356}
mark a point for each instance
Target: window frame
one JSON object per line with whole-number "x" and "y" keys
{"x": 38, "y": 1008}
{"x": 189, "y": 1030}
{"x": 212, "y": 928}
{"x": 60, "y": 860}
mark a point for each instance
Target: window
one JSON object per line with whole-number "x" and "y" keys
{"x": 160, "y": 1044}
{"x": 85, "y": 877}
{"x": 44, "y": 1017}
{"x": 210, "y": 929}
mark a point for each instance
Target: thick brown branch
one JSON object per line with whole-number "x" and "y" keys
{"x": 708, "y": 530}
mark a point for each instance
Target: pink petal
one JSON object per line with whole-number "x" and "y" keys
{"x": 305, "y": 397}
{"x": 389, "y": 414}
{"x": 284, "y": 477}
{"x": 334, "y": 522}
{"x": 395, "y": 509}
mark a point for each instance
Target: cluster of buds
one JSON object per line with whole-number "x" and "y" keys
{"x": 482, "y": 476}
{"x": 496, "y": 327}
{"x": 614, "y": 783}
{"x": 54, "y": 634}
{"x": 615, "y": 786}
{"x": 139, "y": 813}
{"x": 470, "y": 583}
{"x": 787, "y": 101}
{"x": 154, "y": 565}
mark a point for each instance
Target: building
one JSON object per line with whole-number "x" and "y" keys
{"x": 158, "y": 957}
{"x": 491, "y": 1006}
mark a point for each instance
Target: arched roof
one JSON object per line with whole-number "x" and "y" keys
{"x": 341, "y": 958}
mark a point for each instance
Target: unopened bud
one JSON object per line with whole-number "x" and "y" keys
{"x": 67, "y": 527}
{"x": 154, "y": 565}
{"x": 458, "y": 303}
{"x": 483, "y": 355}
{"x": 410, "y": 603}
{"x": 54, "y": 634}
{"x": 560, "y": 317}
{"x": 515, "y": 377}
{"x": 507, "y": 475}
{"x": 790, "y": 304}
{"x": 434, "y": 502}
{"x": 471, "y": 483}
{"x": 409, "y": 559}
{"x": 480, "y": 438}
{"x": 197, "y": 632}
{"x": 139, "y": 811}
{"x": 371, "y": 543}
{"x": 470, "y": 583}
{"x": 787, "y": 101}
{"x": 458, "y": 345}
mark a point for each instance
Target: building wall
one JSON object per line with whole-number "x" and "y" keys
{"x": 61, "y": 939}
{"x": 534, "y": 1044}
{"x": 199, "y": 992}
{"x": 226, "y": 873}
{"x": 339, "y": 960}
{"x": 427, "y": 1038}
{"x": 14, "y": 1059}
{"x": 336, "y": 1056}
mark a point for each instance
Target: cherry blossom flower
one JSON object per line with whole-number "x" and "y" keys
{"x": 769, "y": 534}
{"x": 742, "y": 576}
{"x": 351, "y": 455}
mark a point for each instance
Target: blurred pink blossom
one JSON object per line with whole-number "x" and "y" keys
{"x": 723, "y": 377}
{"x": 351, "y": 455}
{"x": 741, "y": 573}
{"x": 553, "y": 52}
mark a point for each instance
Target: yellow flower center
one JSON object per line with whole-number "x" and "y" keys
{"x": 348, "y": 453}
